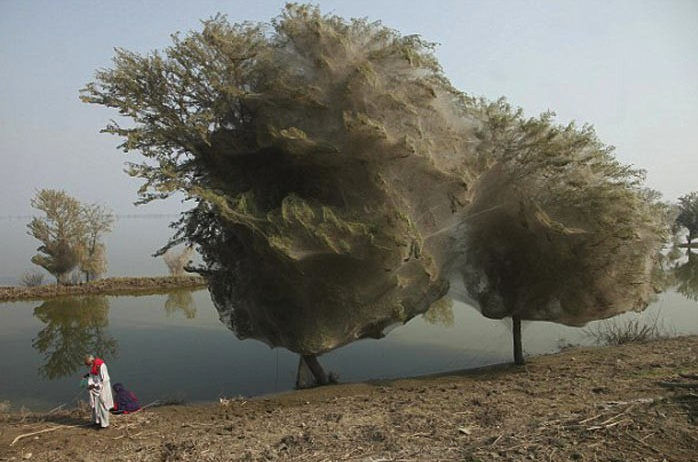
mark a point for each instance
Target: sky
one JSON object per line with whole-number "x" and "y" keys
{"x": 630, "y": 68}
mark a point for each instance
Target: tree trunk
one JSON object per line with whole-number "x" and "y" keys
{"x": 61, "y": 279}
{"x": 319, "y": 374}
{"x": 518, "y": 346}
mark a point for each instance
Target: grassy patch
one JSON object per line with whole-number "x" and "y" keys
{"x": 629, "y": 330}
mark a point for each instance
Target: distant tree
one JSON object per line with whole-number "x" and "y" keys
{"x": 61, "y": 231}
{"x": 98, "y": 220}
{"x": 177, "y": 261}
{"x": 70, "y": 234}
{"x": 688, "y": 215}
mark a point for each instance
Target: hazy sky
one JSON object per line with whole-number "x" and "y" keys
{"x": 630, "y": 68}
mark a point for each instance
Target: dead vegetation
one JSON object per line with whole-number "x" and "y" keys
{"x": 620, "y": 330}
{"x": 32, "y": 279}
{"x": 107, "y": 286}
{"x": 176, "y": 262}
{"x": 585, "y": 404}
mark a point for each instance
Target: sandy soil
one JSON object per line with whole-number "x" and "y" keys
{"x": 584, "y": 404}
{"x": 107, "y": 286}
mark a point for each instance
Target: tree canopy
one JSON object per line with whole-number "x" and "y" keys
{"x": 340, "y": 182}
{"x": 60, "y": 231}
{"x": 688, "y": 215}
{"x": 70, "y": 234}
{"x": 559, "y": 230}
{"x": 98, "y": 220}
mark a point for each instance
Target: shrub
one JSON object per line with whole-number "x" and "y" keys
{"x": 32, "y": 279}
{"x": 629, "y": 330}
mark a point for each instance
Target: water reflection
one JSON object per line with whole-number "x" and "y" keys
{"x": 187, "y": 350}
{"x": 74, "y": 326}
{"x": 181, "y": 300}
{"x": 686, "y": 277}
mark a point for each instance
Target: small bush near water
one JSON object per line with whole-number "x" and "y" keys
{"x": 177, "y": 261}
{"x": 32, "y": 279}
{"x": 629, "y": 330}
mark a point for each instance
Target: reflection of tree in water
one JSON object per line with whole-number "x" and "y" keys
{"x": 74, "y": 326}
{"x": 686, "y": 276}
{"x": 663, "y": 277}
{"x": 181, "y": 300}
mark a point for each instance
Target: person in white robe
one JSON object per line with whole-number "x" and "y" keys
{"x": 99, "y": 389}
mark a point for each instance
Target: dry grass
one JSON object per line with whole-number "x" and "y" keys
{"x": 620, "y": 331}
{"x": 107, "y": 286}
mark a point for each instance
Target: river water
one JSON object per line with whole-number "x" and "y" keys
{"x": 174, "y": 348}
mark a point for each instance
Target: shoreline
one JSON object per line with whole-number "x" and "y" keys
{"x": 145, "y": 285}
{"x": 584, "y": 403}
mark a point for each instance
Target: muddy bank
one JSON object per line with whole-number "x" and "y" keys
{"x": 585, "y": 404}
{"x": 107, "y": 286}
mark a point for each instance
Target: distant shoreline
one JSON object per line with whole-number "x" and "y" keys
{"x": 107, "y": 286}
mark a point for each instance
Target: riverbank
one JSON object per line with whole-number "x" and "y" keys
{"x": 106, "y": 286}
{"x": 584, "y": 404}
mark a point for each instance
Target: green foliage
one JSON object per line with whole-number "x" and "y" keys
{"x": 688, "y": 214}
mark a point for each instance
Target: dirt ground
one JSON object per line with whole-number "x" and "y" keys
{"x": 584, "y": 404}
{"x": 108, "y": 286}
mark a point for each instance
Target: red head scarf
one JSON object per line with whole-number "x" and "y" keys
{"x": 95, "y": 366}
